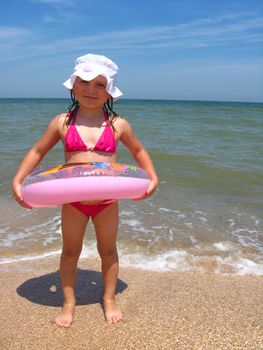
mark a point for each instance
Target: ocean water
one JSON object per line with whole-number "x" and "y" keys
{"x": 207, "y": 214}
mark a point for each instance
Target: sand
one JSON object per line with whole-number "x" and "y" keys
{"x": 169, "y": 310}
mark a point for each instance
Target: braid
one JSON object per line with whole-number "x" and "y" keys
{"x": 71, "y": 108}
{"x": 108, "y": 108}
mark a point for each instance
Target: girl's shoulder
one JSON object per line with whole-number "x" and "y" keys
{"x": 122, "y": 125}
{"x": 61, "y": 119}
{"x": 57, "y": 123}
{"x": 119, "y": 120}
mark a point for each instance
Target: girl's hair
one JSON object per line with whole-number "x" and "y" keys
{"x": 108, "y": 109}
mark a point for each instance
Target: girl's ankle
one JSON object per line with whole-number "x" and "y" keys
{"x": 69, "y": 303}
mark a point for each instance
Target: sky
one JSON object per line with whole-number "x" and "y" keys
{"x": 166, "y": 49}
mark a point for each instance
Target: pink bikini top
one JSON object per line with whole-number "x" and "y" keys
{"x": 74, "y": 142}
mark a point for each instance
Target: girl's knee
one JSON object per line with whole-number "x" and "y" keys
{"x": 70, "y": 254}
{"x": 107, "y": 252}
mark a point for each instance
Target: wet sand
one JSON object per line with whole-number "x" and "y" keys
{"x": 168, "y": 310}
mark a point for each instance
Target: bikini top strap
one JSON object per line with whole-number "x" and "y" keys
{"x": 74, "y": 116}
{"x": 106, "y": 118}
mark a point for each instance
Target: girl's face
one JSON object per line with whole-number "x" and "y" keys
{"x": 91, "y": 94}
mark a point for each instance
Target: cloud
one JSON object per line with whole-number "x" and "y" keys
{"x": 10, "y": 33}
{"x": 229, "y": 31}
{"x": 221, "y": 31}
{"x": 11, "y": 40}
{"x": 203, "y": 33}
{"x": 56, "y": 2}
{"x": 61, "y": 10}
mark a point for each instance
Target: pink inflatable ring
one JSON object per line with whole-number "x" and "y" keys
{"x": 76, "y": 182}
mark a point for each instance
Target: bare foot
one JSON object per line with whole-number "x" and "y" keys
{"x": 112, "y": 311}
{"x": 65, "y": 316}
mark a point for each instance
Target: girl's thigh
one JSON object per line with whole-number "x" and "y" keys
{"x": 74, "y": 225}
{"x": 106, "y": 226}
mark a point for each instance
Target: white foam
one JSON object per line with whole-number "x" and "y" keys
{"x": 240, "y": 266}
{"x": 203, "y": 219}
{"x": 89, "y": 250}
{"x": 225, "y": 255}
{"x": 165, "y": 210}
{"x": 249, "y": 238}
{"x": 231, "y": 222}
{"x": 181, "y": 216}
{"x": 4, "y": 230}
{"x": 256, "y": 220}
{"x": 49, "y": 240}
{"x": 132, "y": 222}
{"x": 171, "y": 235}
{"x": 193, "y": 239}
{"x": 126, "y": 213}
{"x": 224, "y": 246}
{"x": 137, "y": 226}
{"x": 173, "y": 260}
{"x": 50, "y": 229}
{"x": 247, "y": 266}
{"x": 169, "y": 261}
{"x": 181, "y": 260}
{"x": 29, "y": 257}
{"x": 12, "y": 237}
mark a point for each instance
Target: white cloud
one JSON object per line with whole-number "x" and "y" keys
{"x": 61, "y": 11}
{"x": 229, "y": 31}
{"x": 202, "y": 33}
{"x": 56, "y": 2}
{"x": 13, "y": 32}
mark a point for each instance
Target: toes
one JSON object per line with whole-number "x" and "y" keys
{"x": 109, "y": 321}
{"x": 63, "y": 323}
{"x": 112, "y": 311}
{"x": 119, "y": 317}
{"x": 114, "y": 318}
{"x": 67, "y": 324}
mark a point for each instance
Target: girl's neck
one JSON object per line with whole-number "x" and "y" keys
{"x": 90, "y": 113}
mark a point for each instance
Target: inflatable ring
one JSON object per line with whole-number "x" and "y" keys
{"x": 75, "y": 182}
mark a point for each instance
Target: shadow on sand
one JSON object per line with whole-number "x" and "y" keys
{"x": 46, "y": 289}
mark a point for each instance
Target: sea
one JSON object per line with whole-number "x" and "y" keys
{"x": 207, "y": 214}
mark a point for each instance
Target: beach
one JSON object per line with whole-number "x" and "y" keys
{"x": 162, "y": 310}
{"x": 191, "y": 256}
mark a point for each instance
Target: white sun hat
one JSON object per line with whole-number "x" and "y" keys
{"x": 89, "y": 66}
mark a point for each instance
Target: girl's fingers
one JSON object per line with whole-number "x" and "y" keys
{"x": 148, "y": 193}
{"x": 20, "y": 201}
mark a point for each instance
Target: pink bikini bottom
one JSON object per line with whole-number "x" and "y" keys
{"x": 91, "y": 209}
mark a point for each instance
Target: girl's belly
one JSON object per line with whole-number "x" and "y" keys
{"x": 89, "y": 156}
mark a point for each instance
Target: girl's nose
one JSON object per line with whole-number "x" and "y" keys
{"x": 90, "y": 88}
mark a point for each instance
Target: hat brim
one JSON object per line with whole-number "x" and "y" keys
{"x": 112, "y": 90}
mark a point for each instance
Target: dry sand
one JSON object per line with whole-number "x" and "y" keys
{"x": 168, "y": 310}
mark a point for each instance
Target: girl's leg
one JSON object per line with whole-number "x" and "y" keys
{"x": 73, "y": 229}
{"x": 106, "y": 227}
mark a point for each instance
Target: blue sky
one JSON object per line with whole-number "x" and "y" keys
{"x": 166, "y": 49}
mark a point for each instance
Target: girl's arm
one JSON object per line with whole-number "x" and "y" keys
{"x": 141, "y": 156}
{"x": 33, "y": 158}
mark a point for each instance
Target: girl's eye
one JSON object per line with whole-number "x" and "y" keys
{"x": 100, "y": 85}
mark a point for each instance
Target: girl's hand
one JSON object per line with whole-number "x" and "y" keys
{"x": 150, "y": 191}
{"x": 18, "y": 197}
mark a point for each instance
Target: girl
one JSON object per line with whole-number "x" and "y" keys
{"x": 90, "y": 132}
